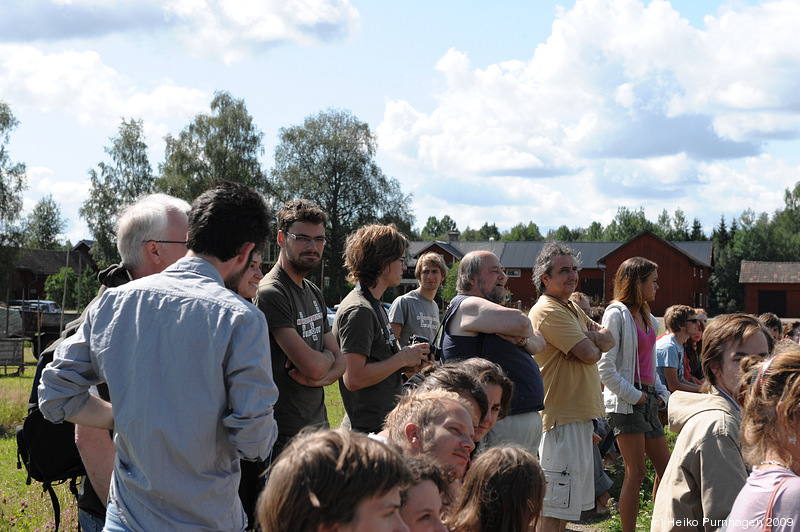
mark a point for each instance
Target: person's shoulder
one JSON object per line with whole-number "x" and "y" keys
{"x": 479, "y": 305}
{"x": 665, "y": 342}
{"x": 273, "y": 284}
{"x": 353, "y": 302}
{"x": 547, "y": 304}
{"x": 399, "y": 300}
{"x": 540, "y": 309}
{"x": 792, "y": 487}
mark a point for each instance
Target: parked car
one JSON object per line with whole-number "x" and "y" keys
{"x": 42, "y": 305}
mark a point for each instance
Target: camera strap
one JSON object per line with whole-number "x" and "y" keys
{"x": 380, "y": 314}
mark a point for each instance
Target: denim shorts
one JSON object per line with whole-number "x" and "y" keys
{"x": 643, "y": 419}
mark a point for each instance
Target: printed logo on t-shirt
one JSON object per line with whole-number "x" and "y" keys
{"x": 427, "y": 322}
{"x": 312, "y": 325}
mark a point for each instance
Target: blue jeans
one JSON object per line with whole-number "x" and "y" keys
{"x": 114, "y": 522}
{"x": 89, "y": 522}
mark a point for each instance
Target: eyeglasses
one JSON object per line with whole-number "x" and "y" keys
{"x": 305, "y": 239}
{"x": 184, "y": 242}
{"x": 693, "y": 320}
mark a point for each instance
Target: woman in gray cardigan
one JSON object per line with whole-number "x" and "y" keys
{"x": 633, "y": 393}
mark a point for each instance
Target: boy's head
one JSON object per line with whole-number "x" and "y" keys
{"x": 680, "y": 318}
{"x": 334, "y": 478}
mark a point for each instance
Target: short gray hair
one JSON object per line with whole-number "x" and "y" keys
{"x": 469, "y": 267}
{"x": 146, "y": 219}
{"x": 546, "y": 259}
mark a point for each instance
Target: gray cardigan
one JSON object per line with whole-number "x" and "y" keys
{"x": 618, "y": 366}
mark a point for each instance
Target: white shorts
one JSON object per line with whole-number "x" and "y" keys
{"x": 522, "y": 430}
{"x": 566, "y": 457}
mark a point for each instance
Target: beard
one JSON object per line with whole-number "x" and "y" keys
{"x": 496, "y": 295}
{"x": 233, "y": 280}
{"x": 303, "y": 262}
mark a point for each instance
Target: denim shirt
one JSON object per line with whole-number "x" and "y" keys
{"x": 188, "y": 367}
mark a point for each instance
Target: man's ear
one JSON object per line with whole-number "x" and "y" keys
{"x": 281, "y": 239}
{"x": 413, "y": 436}
{"x": 151, "y": 252}
{"x": 243, "y": 257}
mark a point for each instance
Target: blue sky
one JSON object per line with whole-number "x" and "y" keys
{"x": 510, "y": 111}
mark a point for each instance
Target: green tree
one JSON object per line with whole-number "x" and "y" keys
{"x": 449, "y": 286}
{"x": 725, "y": 292}
{"x": 564, "y": 234}
{"x": 627, "y": 224}
{"x": 720, "y": 234}
{"x": 223, "y": 145}
{"x": 488, "y": 232}
{"x": 663, "y": 227}
{"x": 522, "y": 232}
{"x": 116, "y": 184}
{"x": 787, "y": 226}
{"x": 470, "y": 235}
{"x": 436, "y": 229}
{"x": 330, "y": 159}
{"x": 12, "y": 184}
{"x": 680, "y": 227}
{"x": 697, "y": 233}
{"x": 595, "y": 232}
{"x": 43, "y": 225}
{"x": 396, "y": 209}
{"x": 54, "y": 288}
{"x": 672, "y": 228}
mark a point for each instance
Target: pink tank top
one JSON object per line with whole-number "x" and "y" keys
{"x": 646, "y": 342}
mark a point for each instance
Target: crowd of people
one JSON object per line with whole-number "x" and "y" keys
{"x": 196, "y": 383}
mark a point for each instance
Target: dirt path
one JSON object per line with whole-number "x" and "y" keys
{"x": 590, "y": 522}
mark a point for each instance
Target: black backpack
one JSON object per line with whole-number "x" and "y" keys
{"x": 48, "y": 450}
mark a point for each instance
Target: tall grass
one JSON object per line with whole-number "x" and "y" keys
{"x": 14, "y": 393}
{"x": 22, "y": 506}
{"x": 28, "y": 507}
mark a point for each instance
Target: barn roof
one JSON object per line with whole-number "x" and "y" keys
{"x": 769, "y": 272}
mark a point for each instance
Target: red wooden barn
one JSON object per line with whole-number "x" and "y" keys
{"x": 771, "y": 287}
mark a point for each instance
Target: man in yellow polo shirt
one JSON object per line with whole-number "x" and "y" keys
{"x": 571, "y": 385}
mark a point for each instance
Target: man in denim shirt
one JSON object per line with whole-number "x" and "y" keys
{"x": 187, "y": 365}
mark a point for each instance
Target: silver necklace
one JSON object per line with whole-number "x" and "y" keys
{"x": 773, "y": 462}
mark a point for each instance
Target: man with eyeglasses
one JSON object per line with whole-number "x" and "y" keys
{"x": 305, "y": 356}
{"x": 375, "y": 258}
{"x": 681, "y": 324}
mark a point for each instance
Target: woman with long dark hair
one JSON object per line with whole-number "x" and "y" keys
{"x": 633, "y": 393}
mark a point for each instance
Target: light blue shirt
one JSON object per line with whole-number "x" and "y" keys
{"x": 188, "y": 368}
{"x": 669, "y": 353}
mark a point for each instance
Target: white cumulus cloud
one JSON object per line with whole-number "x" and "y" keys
{"x": 626, "y": 103}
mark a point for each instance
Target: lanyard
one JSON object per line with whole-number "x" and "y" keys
{"x": 383, "y": 319}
